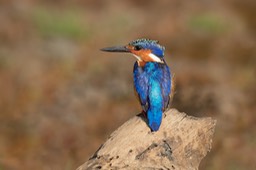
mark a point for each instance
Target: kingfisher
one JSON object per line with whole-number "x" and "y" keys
{"x": 151, "y": 76}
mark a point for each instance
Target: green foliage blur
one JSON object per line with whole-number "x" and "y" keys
{"x": 66, "y": 24}
{"x": 61, "y": 97}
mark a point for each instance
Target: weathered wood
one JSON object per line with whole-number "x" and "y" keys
{"x": 181, "y": 143}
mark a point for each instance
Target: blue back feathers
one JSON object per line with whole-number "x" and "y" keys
{"x": 152, "y": 45}
{"x": 153, "y": 84}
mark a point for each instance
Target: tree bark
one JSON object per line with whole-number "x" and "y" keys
{"x": 181, "y": 143}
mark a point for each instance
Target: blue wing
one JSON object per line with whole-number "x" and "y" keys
{"x": 141, "y": 86}
{"x": 165, "y": 85}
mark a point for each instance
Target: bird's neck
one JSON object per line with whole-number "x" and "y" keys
{"x": 150, "y": 67}
{"x": 142, "y": 63}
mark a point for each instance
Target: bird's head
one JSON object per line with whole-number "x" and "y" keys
{"x": 145, "y": 50}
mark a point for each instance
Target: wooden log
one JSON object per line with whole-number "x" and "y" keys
{"x": 181, "y": 143}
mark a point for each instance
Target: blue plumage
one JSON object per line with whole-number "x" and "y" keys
{"x": 153, "y": 85}
{"x": 152, "y": 78}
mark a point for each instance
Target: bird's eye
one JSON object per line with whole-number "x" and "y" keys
{"x": 137, "y": 47}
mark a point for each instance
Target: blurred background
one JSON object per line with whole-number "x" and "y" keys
{"x": 61, "y": 97}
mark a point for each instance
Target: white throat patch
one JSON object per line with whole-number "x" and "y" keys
{"x": 138, "y": 57}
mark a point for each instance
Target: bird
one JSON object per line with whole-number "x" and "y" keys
{"x": 151, "y": 77}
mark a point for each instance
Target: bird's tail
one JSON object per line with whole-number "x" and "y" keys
{"x": 154, "y": 118}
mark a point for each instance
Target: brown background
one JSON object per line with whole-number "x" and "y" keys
{"x": 61, "y": 97}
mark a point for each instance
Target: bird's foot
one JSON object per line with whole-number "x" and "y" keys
{"x": 164, "y": 115}
{"x": 144, "y": 113}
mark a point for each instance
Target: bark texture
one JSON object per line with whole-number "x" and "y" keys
{"x": 181, "y": 143}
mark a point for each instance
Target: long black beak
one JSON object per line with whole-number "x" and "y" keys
{"x": 116, "y": 49}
